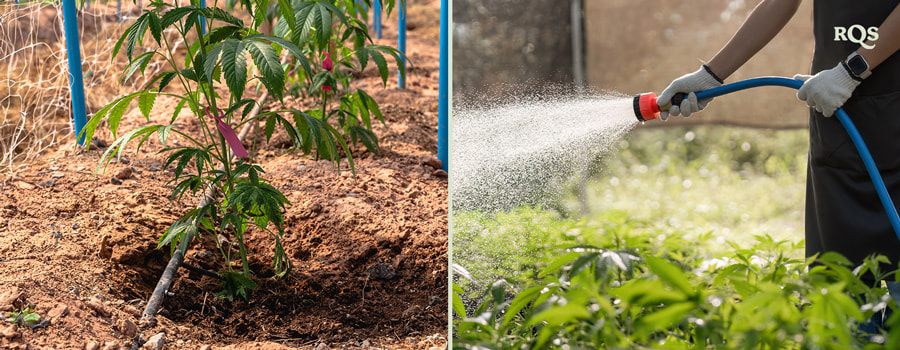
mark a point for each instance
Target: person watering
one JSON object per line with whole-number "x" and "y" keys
{"x": 855, "y": 66}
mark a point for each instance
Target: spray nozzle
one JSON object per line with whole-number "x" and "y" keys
{"x": 645, "y": 107}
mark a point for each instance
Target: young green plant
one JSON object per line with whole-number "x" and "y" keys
{"x": 218, "y": 51}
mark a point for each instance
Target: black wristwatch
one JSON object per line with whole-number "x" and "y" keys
{"x": 857, "y": 66}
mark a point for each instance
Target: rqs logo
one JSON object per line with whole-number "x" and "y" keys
{"x": 856, "y": 34}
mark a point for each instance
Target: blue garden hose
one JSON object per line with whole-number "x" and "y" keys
{"x": 644, "y": 111}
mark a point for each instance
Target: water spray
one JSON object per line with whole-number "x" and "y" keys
{"x": 646, "y": 108}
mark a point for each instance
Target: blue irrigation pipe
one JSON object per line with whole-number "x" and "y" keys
{"x": 376, "y": 17}
{"x": 443, "y": 93}
{"x": 401, "y": 39}
{"x": 842, "y": 116}
{"x": 76, "y": 76}
{"x": 202, "y": 19}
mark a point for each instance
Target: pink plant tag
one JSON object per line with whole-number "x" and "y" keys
{"x": 230, "y": 136}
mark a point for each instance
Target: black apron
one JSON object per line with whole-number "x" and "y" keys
{"x": 843, "y": 211}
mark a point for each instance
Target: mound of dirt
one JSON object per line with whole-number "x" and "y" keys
{"x": 369, "y": 251}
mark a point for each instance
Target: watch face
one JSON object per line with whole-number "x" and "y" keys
{"x": 857, "y": 65}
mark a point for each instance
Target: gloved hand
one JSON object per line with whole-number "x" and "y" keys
{"x": 827, "y": 90}
{"x": 688, "y": 83}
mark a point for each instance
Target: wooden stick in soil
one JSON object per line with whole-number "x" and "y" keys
{"x": 148, "y": 318}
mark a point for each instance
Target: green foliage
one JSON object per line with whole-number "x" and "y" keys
{"x": 218, "y": 53}
{"x": 662, "y": 295}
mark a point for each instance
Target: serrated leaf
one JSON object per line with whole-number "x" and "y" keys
{"x": 166, "y": 80}
{"x": 118, "y": 111}
{"x": 382, "y": 65}
{"x": 362, "y": 55}
{"x": 234, "y": 66}
{"x": 269, "y": 66}
{"x": 323, "y": 27}
{"x": 175, "y": 15}
{"x": 177, "y": 111}
{"x": 139, "y": 62}
{"x": 164, "y": 134}
{"x": 212, "y": 60}
{"x": 155, "y": 26}
{"x": 145, "y": 103}
{"x": 293, "y": 49}
{"x": 134, "y": 36}
{"x": 219, "y": 34}
{"x": 287, "y": 12}
{"x": 222, "y": 15}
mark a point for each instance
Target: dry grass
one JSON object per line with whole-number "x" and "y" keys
{"x": 35, "y": 102}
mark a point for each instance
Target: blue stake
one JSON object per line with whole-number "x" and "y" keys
{"x": 401, "y": 41}
{"x": 443, "y": 100}
{"x": 76, "y": 78}
{"x": 119, "y": 11}
{"x": 376, "y": 18}
{"x": 202, "y": 19}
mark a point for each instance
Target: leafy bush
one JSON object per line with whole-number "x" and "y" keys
{"x": 661, "y": 294}
{"x": 219, "y": 44}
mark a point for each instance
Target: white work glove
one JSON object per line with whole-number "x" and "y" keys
{"x": 827, "y": 90}
{"x": 688, "y": 83}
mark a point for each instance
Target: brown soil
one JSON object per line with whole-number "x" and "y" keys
{"x": 369, "y": 252}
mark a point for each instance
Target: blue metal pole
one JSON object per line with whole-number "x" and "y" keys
{"x": 202, "y": 19}
{"x": 376, "y": 18}
{"x": 401, "y": 39}
{"x": 443, "y": 93}
{"x": 118, "y": 10}
{"x": 76, "y": 78}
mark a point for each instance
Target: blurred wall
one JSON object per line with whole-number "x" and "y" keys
{"x": 503, "y": 47}
{"x": 635, "y": 46}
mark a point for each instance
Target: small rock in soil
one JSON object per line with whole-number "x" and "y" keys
{"x": 126, "y": 327}
{"x": 54, "y": 168}
{"x": 132, "y": 310}
{"x": 205, "y": 347}
{"x": 432, "y": 162}
{"x": 381, "y": 271}
{"x": 10, "y": 332}
{"x": 97, "y": 305}
{"x": 155, "y": 342}
{"x": 91, "y": 346}
{"x": 57, "y": 175}
{"x": 24, "y": 185}
{"x": 48, "y": 183}
{"x": 59, "y": 311}
{"x": 115, "y": 181}
{"x": 322, "y": 346}
{"x": 136, "y": 171}
{"x": 154, "y": 168}
{"x": 110, "y": 346}
{"x": 439, "y": 173}
{"x": 7, "y": 299}
{"x": 124, "y": 174}
{"x": 81, "y": 168}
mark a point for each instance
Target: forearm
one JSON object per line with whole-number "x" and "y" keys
{"x": 764, "y": 22}
{"x": 888, "y": 41}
